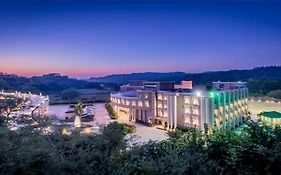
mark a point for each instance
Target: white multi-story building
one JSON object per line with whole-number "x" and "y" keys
{"x": 225, "y": 106}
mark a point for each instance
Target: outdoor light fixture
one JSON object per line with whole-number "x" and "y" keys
{"x": 198, "y": 93}
{"x": 212, "y": 94}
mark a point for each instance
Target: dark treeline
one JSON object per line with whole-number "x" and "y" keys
{"x": 261, "y": 81}
{"x": 48, "y": 84}
{"x": 255, "y": 151}
{"x": 270, "y": 72}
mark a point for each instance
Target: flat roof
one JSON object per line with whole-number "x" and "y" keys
{"x": 270, "y": 114}
{"x": 230, "y": 82}
{"x": 126, "y": 95}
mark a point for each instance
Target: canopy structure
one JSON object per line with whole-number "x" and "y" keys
{"x": 270, "y": 114}
{"x": 270, "y": 118}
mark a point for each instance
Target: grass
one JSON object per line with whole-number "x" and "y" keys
{"x": 258, "y": 107}
{"x": 86, "y": 95}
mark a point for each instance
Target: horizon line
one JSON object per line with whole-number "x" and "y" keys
{"x": 127, "y": 73}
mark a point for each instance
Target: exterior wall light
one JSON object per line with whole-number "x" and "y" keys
{"x": 198, "y": 93}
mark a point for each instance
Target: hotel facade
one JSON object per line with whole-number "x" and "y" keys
{"x": 177, "y": 106}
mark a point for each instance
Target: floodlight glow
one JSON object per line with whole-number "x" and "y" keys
{"x": 212, "y": 94}
{"x": 198, "y": 93}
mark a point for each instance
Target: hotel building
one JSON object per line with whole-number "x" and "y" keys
{"x": 177, "y": 106}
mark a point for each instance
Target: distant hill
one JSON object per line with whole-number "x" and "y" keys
{"x": 270, "y": 72}
{"x": 261, "y": 80}
{"x": 47, "y": 84}
{"x": 148, "y": 76}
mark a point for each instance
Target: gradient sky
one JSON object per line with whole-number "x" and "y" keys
{"x": 94, "y": 38}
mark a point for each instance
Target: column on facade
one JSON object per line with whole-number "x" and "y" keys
{"x": 172, "y": 111}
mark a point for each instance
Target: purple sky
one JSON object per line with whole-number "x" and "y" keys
{"x": 93, "y": 39}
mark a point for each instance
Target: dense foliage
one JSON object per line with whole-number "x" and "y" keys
{"x": 112, "y": 114}
{"x": 275, "y": 94}
{"x": 255, "y": 151}
{"x": 48, "y": 84}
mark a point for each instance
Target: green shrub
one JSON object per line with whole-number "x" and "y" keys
{"x": 129, "y": 128}
{"x": 112, "y": 114}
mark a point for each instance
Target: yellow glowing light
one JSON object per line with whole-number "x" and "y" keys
{"x": 88, "y": 130}
{"x": 77, "y": 122}
{"x": 66, "y": 131}
{"x": 47, "y": 130}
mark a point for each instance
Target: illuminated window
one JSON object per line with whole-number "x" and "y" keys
{"x": 127, "y": 102}
{"x": 165, "y": 114}
{"x": 195, "y": 101}
{"x": 195, "y": 121}
{"x": 118, "y": 101}
{"x": 122, "y": 101}
{"x": 133, "y": 103}
{"x": 195, "y": 111}
{"x": 186, "y": 100}
{"x": 165, "y": 97}
{"x": 165, "y": 106}
{"x": 159, "y": 105}
{"x": 187, "y": 110}
{"x": 145, "y": 96}
{"x": 187, "y": 120}
{"x": 146, "y": 103}
{"x": 159, "y": 97}
{"x": 140, "y": 103}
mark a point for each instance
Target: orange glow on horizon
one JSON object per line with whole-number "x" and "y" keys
{"x": 63, "y": 71}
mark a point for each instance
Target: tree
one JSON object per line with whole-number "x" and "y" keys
{"x": 8, "y": 105}
{"x": 112, "y": 114}
{"x": 275, "y": 94}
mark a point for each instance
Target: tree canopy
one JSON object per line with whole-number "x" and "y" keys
{"x": 255, "y": 151}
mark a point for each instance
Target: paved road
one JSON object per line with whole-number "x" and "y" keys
{"x": 143, "y": 132}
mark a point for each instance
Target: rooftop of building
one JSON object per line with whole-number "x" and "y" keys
{"x": 127, "y": 95}
{"x": 270, "y": 114}
{"x": 229, "y": 82}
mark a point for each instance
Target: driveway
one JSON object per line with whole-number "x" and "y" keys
{"x": 143, "y": 132}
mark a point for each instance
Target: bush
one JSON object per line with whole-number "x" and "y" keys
{"x": 129, "y": 128}
{"x": 112, "y": 114}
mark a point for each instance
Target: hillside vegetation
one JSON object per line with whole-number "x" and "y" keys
{"x": 271, "y": 72}
{"x": 255, "y": 151}
{"x": 261, "y": 81}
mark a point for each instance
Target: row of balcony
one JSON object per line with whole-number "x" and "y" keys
{"x": 131, "y": 102}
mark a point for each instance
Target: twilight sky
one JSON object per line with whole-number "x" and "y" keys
{"x": 92, "y": 39}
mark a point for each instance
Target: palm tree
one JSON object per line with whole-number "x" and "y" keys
{"x": 78, "y": 112}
